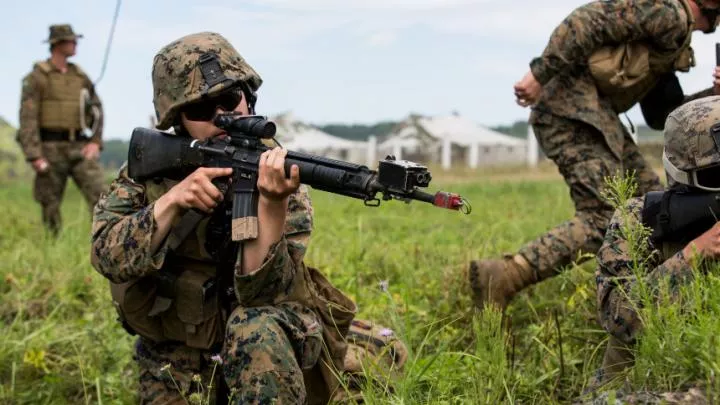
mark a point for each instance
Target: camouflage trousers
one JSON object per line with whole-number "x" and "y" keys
{"x": 263, "y": 359}
{"x": 584, "y": 159}
{"x": 65, "y": 159}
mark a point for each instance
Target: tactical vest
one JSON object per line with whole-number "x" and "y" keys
{"x": 627, "y": 72}
{"x": 60, "y": 104}
{"x": 181, "y": 301}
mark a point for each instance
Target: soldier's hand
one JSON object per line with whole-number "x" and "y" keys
{"x": 706, "y": 245}
{"x": 272, "y": 182}
{"x": 91, "y": 151}
{"x": 197, "y": 189}
{"x": 40, "y": 165}
{"x": 716, "y": 80}
{"x": 527, "y": 90}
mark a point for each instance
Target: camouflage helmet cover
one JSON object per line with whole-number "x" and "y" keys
{"x": 689, "y": 142}
{"x": 178, "y": 80}
{"x": 61, "y": 32}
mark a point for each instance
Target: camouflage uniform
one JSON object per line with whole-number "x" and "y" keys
{"x": 688, "y": 141}
{"x": 280, "y": 336}
{"x": 263, "y": 331}
{"x": 578, "y": 129}
{"x": 50, "y": 128}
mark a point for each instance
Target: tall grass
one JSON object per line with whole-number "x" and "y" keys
{"x": 403, "y": 265}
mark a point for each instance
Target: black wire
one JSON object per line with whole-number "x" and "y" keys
{"x": 110, "y": 39}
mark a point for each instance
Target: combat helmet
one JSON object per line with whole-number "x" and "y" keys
{"x": 691, "y": 155}
{"x": 196, "y": 67}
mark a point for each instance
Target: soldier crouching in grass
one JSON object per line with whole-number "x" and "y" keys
{"x": 278, "y": 334}
{"x": 691, "y": 158}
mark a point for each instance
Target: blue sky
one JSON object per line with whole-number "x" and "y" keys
{"x": 327, "y": 61}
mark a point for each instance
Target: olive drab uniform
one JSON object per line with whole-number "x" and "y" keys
{"x": 586, "y": 83}
{"x": 51, "y": 128}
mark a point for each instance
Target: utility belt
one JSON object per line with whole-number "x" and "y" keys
{"x": 182, "y": 306}
{"x": 66, "y": 135}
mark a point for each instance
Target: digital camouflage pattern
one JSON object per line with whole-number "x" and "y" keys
{"x": 62, "y": 32}
{"x": 585, "y": 163}
{"x": 616, "y": 281}
{"x": 269, "y": 340}
{"x": 692, "y": 396}
{"x": 688, "y": 140}
{"x": 65, "y": 158}
{"x": 688, "y": 145}
{"x": 568, "y": 88}
{"x": 177, "y": 79}
{"x": 123, "y": 224}
{"x": 578, "y": 129}
{"x": 266, "y": 352}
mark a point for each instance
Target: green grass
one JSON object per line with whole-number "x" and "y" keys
{"x": 61, "y": 343}
{"x": 12, "y": 162}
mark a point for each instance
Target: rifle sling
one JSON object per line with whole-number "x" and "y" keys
{"x": 182, "y": 229}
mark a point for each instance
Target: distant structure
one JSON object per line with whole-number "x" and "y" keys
{"x": 298, "y": 136}
{"x": 451, "y": 140}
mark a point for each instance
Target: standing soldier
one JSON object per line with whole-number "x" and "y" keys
{"x": 61, "y": 127}
{"x": 605, "y": 57}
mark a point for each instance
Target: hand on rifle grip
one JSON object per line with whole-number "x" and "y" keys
{"x": 198, "y": 191}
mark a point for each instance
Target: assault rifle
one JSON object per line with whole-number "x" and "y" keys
{"x": 680, "y": 216}
{"x": 154, "y": 154}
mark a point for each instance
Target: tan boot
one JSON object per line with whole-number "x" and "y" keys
{"x": 498, "y": 280}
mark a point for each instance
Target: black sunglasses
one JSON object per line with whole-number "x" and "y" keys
{"x": 205, "y": 110}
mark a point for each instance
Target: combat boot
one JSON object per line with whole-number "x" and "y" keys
{"x": 498, "y": 280}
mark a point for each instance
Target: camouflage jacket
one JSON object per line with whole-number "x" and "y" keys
{"x": 123, "y": 223}
{"x": 617, "y": 280}
{"x": 568, "y": 88}
{"x": 33, "y": 89}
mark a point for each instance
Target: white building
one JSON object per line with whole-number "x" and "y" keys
{"x": 451, "y": 139}
{"x": 300, "y": 137}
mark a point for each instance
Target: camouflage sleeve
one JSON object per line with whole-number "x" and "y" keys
{"x": 28, "y": 134}
{"x": 97, "y": 138}
{"x": 268, "y": 283}
{"x": 619, "y": 269}
{"x": 122, "y": 232}
{"x": 600, "y": 23}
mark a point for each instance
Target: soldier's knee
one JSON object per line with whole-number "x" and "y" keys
{"x": 256, "y": 341}
{"x": 260, "y": 358}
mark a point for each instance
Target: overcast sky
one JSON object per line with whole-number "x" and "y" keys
{"x": 327, "y": 61}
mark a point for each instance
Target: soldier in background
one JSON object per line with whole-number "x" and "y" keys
{"x": 61, "y": 127}
{"x": 605, "y": 57}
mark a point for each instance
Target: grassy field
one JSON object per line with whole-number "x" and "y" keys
{"x": 61, "y": 343}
